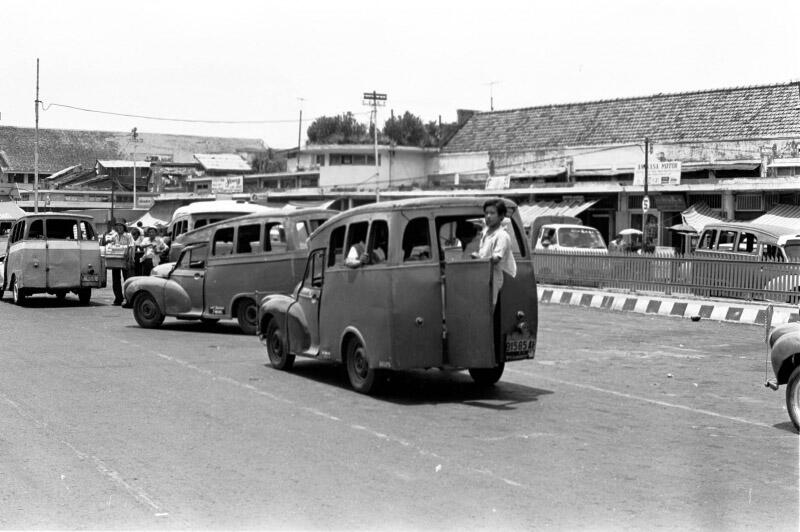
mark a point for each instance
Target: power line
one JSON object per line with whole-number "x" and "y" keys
{"x": 46, "y": 107}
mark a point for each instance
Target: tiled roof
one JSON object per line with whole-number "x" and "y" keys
{"x": 735, "y": 113}
{"x": 223, "y": 162}
{"x": 60, "y": 148}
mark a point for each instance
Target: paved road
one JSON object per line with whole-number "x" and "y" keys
{"x": 623, "y": 421}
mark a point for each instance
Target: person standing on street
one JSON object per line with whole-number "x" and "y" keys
{"x": 120, "y": 237}
{"x": 153, "y": 246}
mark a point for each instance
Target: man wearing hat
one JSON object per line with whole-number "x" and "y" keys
{"x": 120, "y": 237}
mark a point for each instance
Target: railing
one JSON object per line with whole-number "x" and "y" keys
{"x": 701, "y": 275}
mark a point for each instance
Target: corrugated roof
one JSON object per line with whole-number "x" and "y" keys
{"x": 781, "y": 215}
{"x": 733, "y": 113}
{"x": 60, "y": 148}
{"x": 552, "y": 208}
{"x": 10, "y": 211}
{"x": 698, "y": 215}
{"x": 226, "y": 162}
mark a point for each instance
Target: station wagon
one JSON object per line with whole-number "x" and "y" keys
{"x": 419, "y": 301}
{"x": 226, "y": 268}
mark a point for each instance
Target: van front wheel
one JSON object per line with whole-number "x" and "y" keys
{"x": 279, "y": 357}
{"x": 17, "y": 293}
{"x": 487, "y": 376}
{"x": 793, "y": 397}
{"x": 247, "y": 316}
{"x": 363, "y": 378}
{"x": 84, "y": 295}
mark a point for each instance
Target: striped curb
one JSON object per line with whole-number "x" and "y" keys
{"x": 731, "y": 311}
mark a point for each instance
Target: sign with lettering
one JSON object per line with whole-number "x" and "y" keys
{"x": 498, "y": 182}
{"x": 227, "y": 185}
{"x": 658, "y": 173}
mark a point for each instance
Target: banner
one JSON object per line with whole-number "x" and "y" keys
{"x": 227, "y": 185}
{"x": 498, "y": 182}
{"x": 658, "y": 173}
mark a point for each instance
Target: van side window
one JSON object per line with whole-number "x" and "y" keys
{"x": 336, "y": 246}
{"x": 516, "y": 234}
{"x": 60, "y": 229}
{"x": 36, "y": 230}
{"x": 248, "y": 239}
{"x": 275, "y": 236}
{"x": 223, "y": 242}
{"x": 748, "y": 243}
{"x": 87, "y": 231}
{"x": 417, "y": 240}
{"x": 378, "y": 245}
{"x": 459, "y": 236}
{"x": 772, "y": 252}
{"x": 726, "y": 240}
{"x": 17, "y": 232}
{"x": 316, "y": 223}
{"x": 356, "y": 238}
{"x": 707, "y": 240}
{"x": 302, "y": 234}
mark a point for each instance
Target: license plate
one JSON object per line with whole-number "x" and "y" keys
{"x": 519, "y": 346}
{"x": 90, "y": 278}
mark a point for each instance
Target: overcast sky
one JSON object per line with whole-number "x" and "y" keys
{"x": 245, "y": 61}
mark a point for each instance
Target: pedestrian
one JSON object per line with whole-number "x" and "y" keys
{"x": 120, "y": 237}
{"x": 153, "y": 245}
{"x": 137, "y": 236}
{"x": 495, "y": 245}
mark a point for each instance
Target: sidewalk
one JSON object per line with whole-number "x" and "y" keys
{"x": 731, "y": 310}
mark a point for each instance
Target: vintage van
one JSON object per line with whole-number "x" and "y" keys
{"x": 226, "y": 267}
{"x": 201, "y": 213}
{"x": 53, "y": 253}
{"x": 569, "y": 237}
{"x": 418, "y": 300}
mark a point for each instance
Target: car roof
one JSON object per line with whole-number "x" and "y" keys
{"x": 211, "y": 207}
{"x": 66, "y": 215}
{"x": 570, "y": 226}
{"x": 772, "y": 230}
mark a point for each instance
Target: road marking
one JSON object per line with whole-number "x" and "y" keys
{"x": 137, "y": 493}
{"x": 644, "y": 399}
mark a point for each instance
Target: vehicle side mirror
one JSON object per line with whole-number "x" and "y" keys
{"x": 197, "y": 264}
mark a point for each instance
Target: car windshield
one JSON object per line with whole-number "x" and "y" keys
{"x": 580, "y": 237}
{"x": 792, "y": 249}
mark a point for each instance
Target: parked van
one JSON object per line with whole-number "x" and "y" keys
{"x": 226, "y": 267}
{"x": 53, "y": 253}
{"x": 201, "y": 213}
{"x": 415, "y": 300}
{"x": 568, "y": 237}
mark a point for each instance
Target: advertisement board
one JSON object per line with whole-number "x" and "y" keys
{"x": 658, "y": 173}
{"x": 227, "y": 185}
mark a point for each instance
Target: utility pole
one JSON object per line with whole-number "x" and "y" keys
{"x": 646, "y": 198}
{"x": 134, "y": 138}
{"x": 36, "y": 146}
{"x": 300, "y": 132}
{"x": 375, "y": 99}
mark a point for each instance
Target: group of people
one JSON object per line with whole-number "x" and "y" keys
{"x": 144, "y": 249}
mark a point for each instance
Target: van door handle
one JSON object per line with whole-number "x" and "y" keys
{"x": 314, "y": 296}
{"x": 198, "y": 276}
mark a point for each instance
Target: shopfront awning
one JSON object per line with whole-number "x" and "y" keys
{"x": 741, "y": 164}
{"x": 698, "y": 215}
{"x": 782, "y": 215}
{"x": 552, "y": 208}
{"x": 786, "y": 162}
{"x": 10, "y": 211}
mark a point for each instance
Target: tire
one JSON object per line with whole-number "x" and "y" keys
{"x": 247, "y": 316}
{"x": 61, "y": 295}
{"x": 487, "y": 376}
{"x": 279, "y": 356}
{"x": 209, "y": 322}
{"x": 146, "y": 311}
{"x": 18, "y": 294}
{"x": 793, "y": 397}
{"x": 84, "y": 295}
{"x": 362, "y": 377}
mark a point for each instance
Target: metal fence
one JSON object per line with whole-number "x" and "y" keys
{"x": 742, "y": 277}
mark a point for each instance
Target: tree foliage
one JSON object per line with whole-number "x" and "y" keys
{"x": 340, "y": 129}
{"x": 407, "y": 130}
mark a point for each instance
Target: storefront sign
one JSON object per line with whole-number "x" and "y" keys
{"x": 658, "y": 173}
{"x": 498, "y": 182}
{"x": 227, "y": 185}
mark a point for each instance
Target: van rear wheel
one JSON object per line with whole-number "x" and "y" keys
{"x": 17, "y": 293}
{"x": 487, "y": 376}
{"x": 362, "y": 377}
{"x": 146, "y": 311}
{"x": 84, "y": 295}
{"x": 279, "y": 356}
{"x": 247, "y": 316}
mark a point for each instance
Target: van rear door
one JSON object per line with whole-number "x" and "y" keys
{"x": 469, "y": 313}
{"x": 63, "y": 253}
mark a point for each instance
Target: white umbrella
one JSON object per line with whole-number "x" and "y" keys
{"x": 630, "y": 232}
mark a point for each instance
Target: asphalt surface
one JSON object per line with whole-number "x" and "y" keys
{"x": 623, "y": 421}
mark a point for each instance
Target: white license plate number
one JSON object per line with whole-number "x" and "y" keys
{"x": 519, "y": 348}
{"x": 90, "y": 278}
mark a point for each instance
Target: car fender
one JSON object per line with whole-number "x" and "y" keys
{"x": 167, "y": 294}
{"x": 783, "y": 355}
{"x": 275, "y": 305}
{"x": 350, "y": 330}
{"x": 780, "y": 330}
